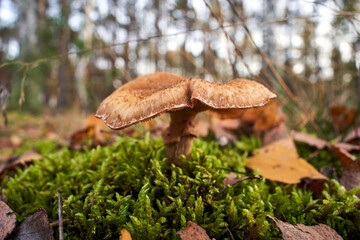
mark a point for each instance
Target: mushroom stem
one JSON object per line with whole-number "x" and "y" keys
{"x": 173, "y": 151}
{"x": 178, "y": 137}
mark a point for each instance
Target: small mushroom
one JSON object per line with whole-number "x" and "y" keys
{"x": 148, "y": 96}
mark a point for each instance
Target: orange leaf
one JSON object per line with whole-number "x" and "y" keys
{"x": 125, "y": 235}
{"x": 279, "y": 161}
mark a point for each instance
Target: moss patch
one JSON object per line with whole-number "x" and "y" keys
{"x": 129, "y": 185}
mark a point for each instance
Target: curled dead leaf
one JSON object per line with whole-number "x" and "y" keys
{"x": 354, "y": 135}
{"x": 16, "y": 161}
{"x": 300, "y": 231}
{"x": 309, "y": 139}
{"x": 260, "y": 118}
{"x": 345, "y": 157}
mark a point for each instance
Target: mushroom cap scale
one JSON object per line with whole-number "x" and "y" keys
{"x": 148, "y": 96}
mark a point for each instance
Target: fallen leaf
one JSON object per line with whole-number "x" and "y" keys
{"x": 347, "y": 147}
{"x": 300, "y": 231}
{"x": 269, "y": 116}
{"x": 36, "y": 226}
{"x": 341, "y": 117}
{"x": 351, "y": 175}
{"x": 125, "y": 235}
{"x": 16, "y": 161}
{"x": 274, "y": 134}
{"x": 260, "y": 118}
{"x": 316, "y": 186}
{"x": 193, "y": 231}
{"x": 345, "y": 157}
{"x": 279, "y": 161}
{"x": 92, "y": 131}
{"x": 353, "y": 135}
{"x": 7, "y": 220}
{"x": 309, "y": 139}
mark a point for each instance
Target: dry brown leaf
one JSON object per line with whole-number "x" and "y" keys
{"x": 125, "y": 235}
{"x": 279, "y": 161}
{"x": 7, "y": 220}
{"x": 309, "y": 139}
{"x": 341, "y": 117}
{"x": 260, "y": 118}
{"x": 16, "y": 161}
{"x": 353, "y": 135}
{"x": 192, "y": 231}
{"x": 345, "y": 157}
{"x": 36, "y": 226}
{"x": 277, "y": 133}
{"x": 351, "y": 175}
{"x": 300, "y": 231}
{"x": 93, "y": 130}
{"x": 347, "y": 147}
{"x": 269, "y": 116}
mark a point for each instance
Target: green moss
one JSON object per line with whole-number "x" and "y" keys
{"x": 130, "y": 185}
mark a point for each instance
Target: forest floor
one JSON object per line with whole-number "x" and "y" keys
{"x": 311, "y": 172}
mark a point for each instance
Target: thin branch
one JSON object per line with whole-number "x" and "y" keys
{"x": 61, "y": 227}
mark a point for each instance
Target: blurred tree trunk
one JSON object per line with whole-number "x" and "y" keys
{"x": 27, "y": 25}
{"x": 155, "y": 49}
{"x": 66, "y": 97}
{"x": 269, "y": 40}
{"x": 129, "y": 72}
{"x": 81, "y": 71}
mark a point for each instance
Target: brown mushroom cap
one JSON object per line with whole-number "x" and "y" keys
{"x": 148, "y": 96}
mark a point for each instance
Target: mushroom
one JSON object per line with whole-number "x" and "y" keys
{"x": 148, "y": 96}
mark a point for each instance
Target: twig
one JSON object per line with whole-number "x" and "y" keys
{"x": 22, "y": 94}
{"x": 240, "y": 180}
{"x": 230, "y": 233}
{"x": 56, "y": 223}
{"x": 61, "y": 228}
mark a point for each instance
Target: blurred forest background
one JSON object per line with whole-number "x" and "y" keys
{"x": 61, "y": 54}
